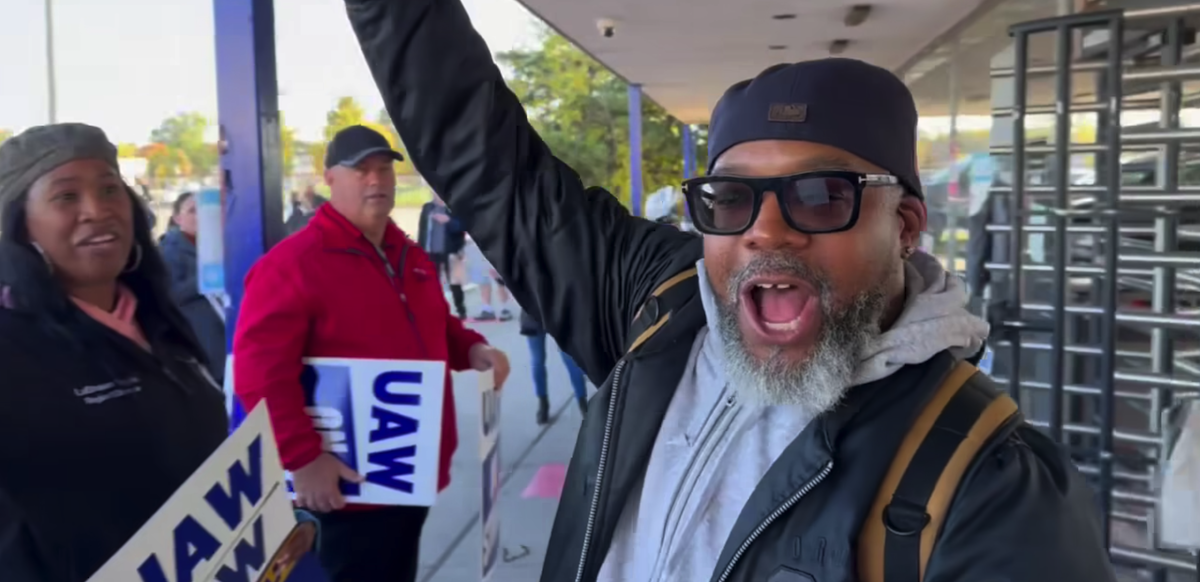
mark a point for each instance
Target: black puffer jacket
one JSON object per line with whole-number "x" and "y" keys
{"x": 96, "y": 433}
{"x": 584, "y": 267}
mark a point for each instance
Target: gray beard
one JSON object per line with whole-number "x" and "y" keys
{"x": 819, "y": 382}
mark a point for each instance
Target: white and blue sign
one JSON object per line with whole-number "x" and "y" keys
{"x": 383, "y": 418}
{"x": 489, "y": 433}
{"x": 224, "y": 524}
{"x": 210, "y": 243}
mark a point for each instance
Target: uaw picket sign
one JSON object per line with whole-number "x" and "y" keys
{"x": 383, "y": 418}
{"x": 223, "y": 525}
{"x": 489, "y": 437}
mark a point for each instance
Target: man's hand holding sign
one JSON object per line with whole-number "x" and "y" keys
{"x": 485, "y": 358}
{"x": 318, "y": 485}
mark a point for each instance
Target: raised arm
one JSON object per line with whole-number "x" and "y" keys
{"x": 576, "y": 258}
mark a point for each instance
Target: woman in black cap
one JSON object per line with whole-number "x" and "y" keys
{"x": 105, "y": 405}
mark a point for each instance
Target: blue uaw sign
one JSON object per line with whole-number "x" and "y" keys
{"x": 223, "y": 525}
{"x": 489, "y": 434}
{"x": 383, "y": 418}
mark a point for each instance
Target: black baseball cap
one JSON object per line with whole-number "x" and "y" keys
{"x": 845, "y": 103}
{"x": 352, "y": 145}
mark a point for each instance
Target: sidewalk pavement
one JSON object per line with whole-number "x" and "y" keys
{"x": 533, "y": 461}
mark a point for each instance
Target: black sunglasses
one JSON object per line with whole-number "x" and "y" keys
{"x": 812, "y": 202}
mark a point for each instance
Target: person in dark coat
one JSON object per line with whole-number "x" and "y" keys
{"x": 106, "y": 406}
{"x": 179, "y": 251}
{"x": 536, "y": 336}
{"x": 442, "y": 236}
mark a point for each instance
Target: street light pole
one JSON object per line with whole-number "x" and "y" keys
{"x": 51, "y": 90}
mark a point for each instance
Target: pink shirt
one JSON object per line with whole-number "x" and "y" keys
{"x": 122, "y": 318}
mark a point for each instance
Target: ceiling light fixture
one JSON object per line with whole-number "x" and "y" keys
{"x": 838, "y": 46}
{"x": 784, "y": 17}
{"x": 857, "y": 14}
{"x": 777, "y": 47}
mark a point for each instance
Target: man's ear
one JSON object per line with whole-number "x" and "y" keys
{"x": 329, "y": 177}
{"x": 912, "y": 214}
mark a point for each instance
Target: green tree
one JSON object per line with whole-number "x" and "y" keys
{"x": 164, "y": 161}
{"x": 384, "y": 120}
{"x": 345, "y": 112}
{"x": 581, "y": 111}
{"x": 127, "y": 150}
{"x": 5, "y": 134}
{"x": 185, "y": 134}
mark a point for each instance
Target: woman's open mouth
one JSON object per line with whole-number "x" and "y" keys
{"x": 102, "y": 240}
{"x": 781, "y": 311}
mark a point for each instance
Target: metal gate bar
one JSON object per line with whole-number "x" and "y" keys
{"x": 1105, "y": 375}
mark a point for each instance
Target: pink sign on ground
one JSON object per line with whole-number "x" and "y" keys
{"x": 547, "y": 483}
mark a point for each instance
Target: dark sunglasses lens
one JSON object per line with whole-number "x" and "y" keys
{"x": 819, "y": 204}
{"x": 723, "y": 206}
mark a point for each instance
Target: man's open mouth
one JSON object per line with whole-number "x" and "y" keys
{"x": 779, "y": 309}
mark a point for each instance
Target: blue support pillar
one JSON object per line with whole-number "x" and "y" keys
{"x": 689, "y": 152}
{"x": 251, "y": 161}
{"x": 635, "y": 148}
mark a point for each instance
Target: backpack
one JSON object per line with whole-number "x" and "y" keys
{"x": 910, "y": 506}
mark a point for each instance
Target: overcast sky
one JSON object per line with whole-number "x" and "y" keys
{"x": 125, "y": 65}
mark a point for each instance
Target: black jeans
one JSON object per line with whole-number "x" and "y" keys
{"x": 373, "y": 545}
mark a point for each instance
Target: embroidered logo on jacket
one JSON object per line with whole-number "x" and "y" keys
{"x": 101, "y": 393}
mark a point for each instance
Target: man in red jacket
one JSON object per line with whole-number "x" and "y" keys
{"x": 350, "y": 285}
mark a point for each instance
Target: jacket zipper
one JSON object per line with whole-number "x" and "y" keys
{"x": 391, "y": 276}
{"x": 602, "y": 464}
{"x": 787, "y": 504}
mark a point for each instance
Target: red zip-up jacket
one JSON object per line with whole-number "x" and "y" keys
{"x": 325, "y": 292}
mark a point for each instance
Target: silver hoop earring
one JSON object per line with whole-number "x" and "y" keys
{"x": 45, "y": 259}
{"x": 137, "y": 259}
{"x": 908, "y": 252}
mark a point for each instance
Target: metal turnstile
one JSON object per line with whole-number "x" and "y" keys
{"x": 1093, "y": 286}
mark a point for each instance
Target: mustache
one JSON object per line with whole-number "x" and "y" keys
{"x": 779, "y": 263}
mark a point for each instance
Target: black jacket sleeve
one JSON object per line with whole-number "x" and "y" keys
{"x": 575, "y": 257}
{"x": 1024, "y": 513}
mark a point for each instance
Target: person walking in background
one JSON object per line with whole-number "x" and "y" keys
{"x": 481, "y": 273}
{"x": 442, "y": 236}
{"x": 178, "y": 248}
{"x": 350, "y": 285}
{"x": 304, "y": 207}
{"x": 106, "y": 407}
{"x": 536, "y": 336}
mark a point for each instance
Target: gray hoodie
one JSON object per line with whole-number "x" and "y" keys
{"x": 712, "y": 449}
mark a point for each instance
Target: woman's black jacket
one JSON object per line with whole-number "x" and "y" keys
{"x": 96, "y": 433}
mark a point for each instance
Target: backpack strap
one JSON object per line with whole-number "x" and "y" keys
{"x": 655, "y": 312}
{"x": 898, "y": 535}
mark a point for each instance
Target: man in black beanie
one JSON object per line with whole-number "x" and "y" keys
{"x": 786, "y": 398}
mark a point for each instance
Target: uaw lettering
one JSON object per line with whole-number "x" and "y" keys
{"x": 383, "y": 418}
{"x": 223, "y": 525}
{"x": 489, "y": 438}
